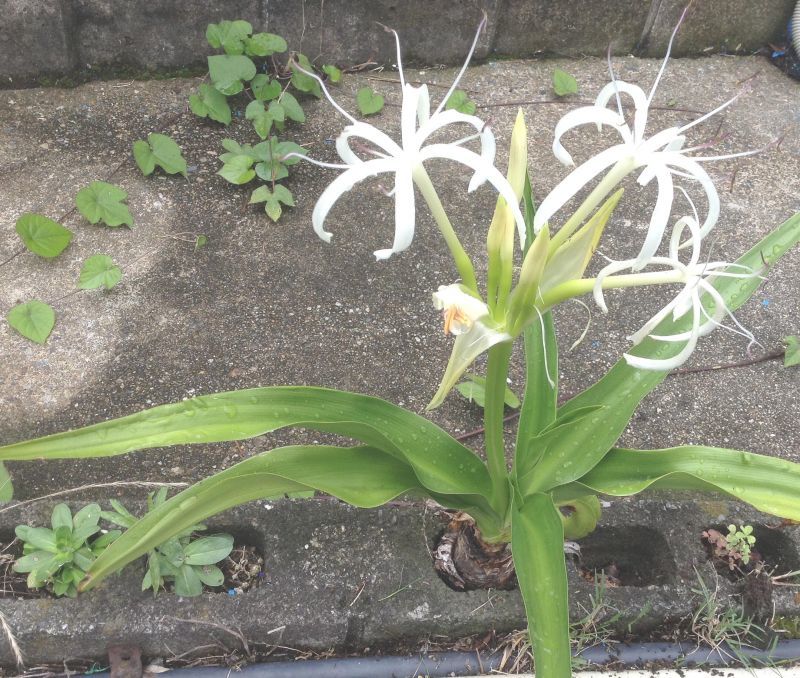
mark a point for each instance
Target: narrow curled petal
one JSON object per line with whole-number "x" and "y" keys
{"x": 408, "y": 116}
{"x": 584, "y": 116}
{"x": 493, "y": 176}
{"x": 404, "y": 213}
{"x": 343, "y": 183}
{"x": 367, "y": 132}
{"x": 669, "y": 363}
{"x": 639, "y": 101}
{"x": 452, "y": 117}
{"x": 699, "y": 174}
{"x": 423, "y": 105}
{"x": 575, "y": 181}
{"x": 658, "y": 219}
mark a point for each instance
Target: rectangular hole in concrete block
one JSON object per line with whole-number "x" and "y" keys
{"x": 636, "y": 555}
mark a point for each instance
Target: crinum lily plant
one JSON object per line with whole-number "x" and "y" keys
{"x": 565, "y": 454}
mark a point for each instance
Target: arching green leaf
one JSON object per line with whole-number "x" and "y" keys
{"x": 362, "y": 476}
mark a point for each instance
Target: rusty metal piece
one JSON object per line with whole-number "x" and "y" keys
{"x": 125, "y": 661}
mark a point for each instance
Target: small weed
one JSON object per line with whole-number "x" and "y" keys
{"x": 723, "y": 628}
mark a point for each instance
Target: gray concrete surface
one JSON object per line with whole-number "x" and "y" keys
{"x": 266, "y": 304}
{"x": 86, "y": 39}
{"x": 361, "y": 581}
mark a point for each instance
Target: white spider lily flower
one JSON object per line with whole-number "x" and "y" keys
{"x": 696, "y": 278}
{"x": 405, "y": 160}
{"x": 466, "y": 317}
{"x": 662, "y": 156}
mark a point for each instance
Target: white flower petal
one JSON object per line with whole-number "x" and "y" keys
{"x": 584, "y": 116}
{"x": 368, "y": 132}
{"x": 669, "y": 363}
{"x": 453, "y": 117}
{"x": 698, "y": 173}
{"x": 404, "y": 213}
{"x": 423, "y": 106}
{"x": 639, "y": 101}
{"x": 408, "y": 117}
{"x": 575, "y": 181}
{"x": 658, "y": 219}
{"x": 343, "y": 183}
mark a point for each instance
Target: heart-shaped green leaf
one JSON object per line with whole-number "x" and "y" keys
{"x": 212, "y": 104}
{"x": 302, "y": 81}
{"x": 277, "y": 111}
{"x": 99, "y": 271}
{"x": 238, "y": 170}
{"x": 369, "y": 101}
{"x": 227, "y": 71}
{"x": 273, "y": 200}
{"x": 34, "y": 320}
{"x": 100, "y": 201}
{"x": 264, "y": 44}
{"x": 159, "y": 150}
{"x": 43, "y": 236}
{"x": 265, "y": 89}
{"x": 333, "y": 73}
{"x": 564, "y": 83}
{"x": 262, "y": 119}
{"x": 291, "y": 108}
{"x": 229, "y": 35}
{"x": 459, "y": 101}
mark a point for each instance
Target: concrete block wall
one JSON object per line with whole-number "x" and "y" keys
{"x": 51, "y": 38}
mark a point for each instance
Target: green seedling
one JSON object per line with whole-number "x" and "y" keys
{"x": 61, "y": 556}
{"x": 186, "y": 562}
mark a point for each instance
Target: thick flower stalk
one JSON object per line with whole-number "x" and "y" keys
{"x": 405, "y": 160}
{"x": 662, "y": 157}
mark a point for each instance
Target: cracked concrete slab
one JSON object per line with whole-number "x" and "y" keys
{"x": 265, "y": 304}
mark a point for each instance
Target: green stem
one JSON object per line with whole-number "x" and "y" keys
{"x": 616, "y": 174}
{"x": 577, "y": 288}
{"x": 496, "y": 373}
{"x": 461, "y": 258}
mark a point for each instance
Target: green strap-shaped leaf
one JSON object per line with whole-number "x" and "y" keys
{"x": 537, "y": 542}
{"x": 620, "y": 391}
{"x": 442, "y": 464}
{"x": 362, "y": 476}
{"x": 541, "y": 385}
{"x": 769, "y": 484}
{"x": 6, "y": 486}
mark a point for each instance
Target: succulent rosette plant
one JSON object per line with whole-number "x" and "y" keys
{"x": 564, "y": 454}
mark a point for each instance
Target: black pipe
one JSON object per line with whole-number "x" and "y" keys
{"x": 430, "y": 664}
{"x": 440, "y": 664}
{"x": 689, "y": 654}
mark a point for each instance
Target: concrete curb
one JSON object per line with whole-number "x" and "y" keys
{"x": 86, "y": 39}
{"x": 362, "y": 580}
